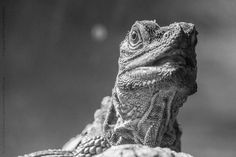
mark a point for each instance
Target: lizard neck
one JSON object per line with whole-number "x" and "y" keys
{"x": 140, "y": 113}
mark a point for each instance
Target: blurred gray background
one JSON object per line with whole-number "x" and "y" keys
{"x": 61, "y": 61}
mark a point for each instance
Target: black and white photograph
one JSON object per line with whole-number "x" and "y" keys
{"x": 117, "y": 78}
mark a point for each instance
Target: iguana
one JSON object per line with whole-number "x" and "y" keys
{"x": 157, "y": 72}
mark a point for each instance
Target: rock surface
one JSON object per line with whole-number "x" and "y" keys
{"x": 134, "y": 150}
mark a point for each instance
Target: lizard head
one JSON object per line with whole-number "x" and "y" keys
{"x": 157, "y": 57}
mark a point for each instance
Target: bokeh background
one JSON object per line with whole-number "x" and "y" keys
{"x": 61, "y": 60}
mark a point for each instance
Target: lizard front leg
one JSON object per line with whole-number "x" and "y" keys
{"x": 89, "y": 148}
{"x": 93, "y": 146}
{"x": 52, "y": 153}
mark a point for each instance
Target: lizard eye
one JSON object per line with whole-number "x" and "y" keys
{"x": 134, "y": 38}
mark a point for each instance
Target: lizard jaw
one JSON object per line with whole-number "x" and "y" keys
{"x": 172, "y": 59}
{"x": 163, "y": 69}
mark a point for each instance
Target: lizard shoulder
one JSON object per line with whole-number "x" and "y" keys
{"x": 93, "y": 129}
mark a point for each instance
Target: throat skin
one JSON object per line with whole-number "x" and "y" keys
{"x": 145, "y": 116}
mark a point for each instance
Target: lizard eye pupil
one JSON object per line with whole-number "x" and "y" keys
{"x": 134, "y": 35}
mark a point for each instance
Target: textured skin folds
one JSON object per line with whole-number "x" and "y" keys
{"x": 157, "y": 72}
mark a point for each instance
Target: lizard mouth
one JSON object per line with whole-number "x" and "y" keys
{"x": 177, "y": 57}
{"x": 166, "y": 66}
{"x": 164, "y": 63}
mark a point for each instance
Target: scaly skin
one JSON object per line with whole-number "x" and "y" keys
{"x": 157, "y": 72}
